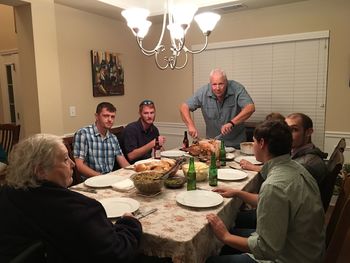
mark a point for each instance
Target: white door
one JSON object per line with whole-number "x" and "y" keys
{"x": 9, "y": 83}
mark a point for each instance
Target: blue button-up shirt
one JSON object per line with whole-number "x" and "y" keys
{"x": 99, "y": 153}
{"x": 216, "y": 114}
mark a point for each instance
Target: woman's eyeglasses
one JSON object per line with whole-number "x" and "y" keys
{"x": 146, "y": 102}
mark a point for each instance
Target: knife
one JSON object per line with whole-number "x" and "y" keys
{"x": 218, "y": 137}
{"x": 142, "y": 215}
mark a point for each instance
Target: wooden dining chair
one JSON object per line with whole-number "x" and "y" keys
{"x": 344, "y": 194}
{"x": 68, "y": 142}
{"x": 340, "y": 235}
{"x": 9, "y": 136}
{"x": 334, "y": 165}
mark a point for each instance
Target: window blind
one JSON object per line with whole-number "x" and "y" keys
{"x": 282, "y": 74}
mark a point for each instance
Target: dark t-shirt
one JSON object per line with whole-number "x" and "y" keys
{"x": 3, "y": 155}
{"x": 134, "y": 136}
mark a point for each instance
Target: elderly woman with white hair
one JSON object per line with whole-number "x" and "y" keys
{"x": 36, "y": 205}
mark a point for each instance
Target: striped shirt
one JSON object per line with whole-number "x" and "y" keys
{"x": 99, "y": 153}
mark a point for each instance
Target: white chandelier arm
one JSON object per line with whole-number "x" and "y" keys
{"x": 197, "y": 51}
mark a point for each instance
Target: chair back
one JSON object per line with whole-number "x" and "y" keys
{"x": 334, "y": 167}
{"x": 337, "y": 248}
{"x": 9, "y": 135}
{"x": 68, "y": 142}
{"x": 342, "y": 197}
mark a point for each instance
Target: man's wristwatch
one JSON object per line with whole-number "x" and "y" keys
{"x": 233, "y": 125}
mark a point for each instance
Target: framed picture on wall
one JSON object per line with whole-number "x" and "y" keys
{"x": 107, "y": 74}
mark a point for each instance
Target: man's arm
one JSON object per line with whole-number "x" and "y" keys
{"x": 122, "y": 161}
{"x": 221, "y": 232}
{"x": 245, "y": 113}
{"x": 186, "y": 117}
{"x": 246, "y": 197}
{"x": 145, "y": 148}
{"x": 84, "y": 169}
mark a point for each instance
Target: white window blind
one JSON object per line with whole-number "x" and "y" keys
{"x": 282, "y": 74}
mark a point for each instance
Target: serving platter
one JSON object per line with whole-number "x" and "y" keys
{"x": 199, "y": 198}
{"x": 231, "y": 175}
{"x": 248, "y": 158}
{"x": 117, "y": 206}
{"x": 104, "y": 180}
{"x": 172, "y": 154}
{"x": 229, "y": 149}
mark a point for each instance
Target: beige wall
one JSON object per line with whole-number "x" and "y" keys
{"x": 78, "y": 32}
{"x": 8, "y": 39}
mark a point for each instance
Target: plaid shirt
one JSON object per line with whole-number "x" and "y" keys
{"x": 97, "y": 152}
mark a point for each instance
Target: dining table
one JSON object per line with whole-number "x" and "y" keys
{"x": 175, "y": 230}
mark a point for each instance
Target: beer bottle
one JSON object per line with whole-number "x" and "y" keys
{"x": 185, "y": 142}
{"x": 156, "y": 149}
{"x": 222, "y": 155}
{"x": 213, "y": 171}
{"x": 191, "y": 176}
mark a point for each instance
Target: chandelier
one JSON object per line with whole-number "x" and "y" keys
{"x": 179, "y": 18}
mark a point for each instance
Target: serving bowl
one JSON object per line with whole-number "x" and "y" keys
{"x": 202, "y": 170}
{"x": 247, "y": 148}
{"x": 175, "y": 182}
{"x": 148, "y": 182}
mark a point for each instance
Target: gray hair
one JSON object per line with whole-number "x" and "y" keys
{"x": 36, "y": 152}
{"x": 217, "y": 71}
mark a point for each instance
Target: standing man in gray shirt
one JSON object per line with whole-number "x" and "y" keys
{"x": 225, "y": 106}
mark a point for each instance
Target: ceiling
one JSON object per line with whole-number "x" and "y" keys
{"x": 157, "y": 6}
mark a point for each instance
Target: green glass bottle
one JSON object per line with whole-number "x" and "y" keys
{"x": 191, "y": 176}
{"x": 213, "y": 171}
{"x": 222, "y": 155}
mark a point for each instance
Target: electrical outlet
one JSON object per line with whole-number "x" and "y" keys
{"x": 72, "y": 111}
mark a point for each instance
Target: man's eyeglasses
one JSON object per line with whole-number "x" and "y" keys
{"x": 146, "y": 102}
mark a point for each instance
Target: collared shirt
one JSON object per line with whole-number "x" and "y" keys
{"x": 290, "y": 216}
{"x": 134, "y": 136}
{"x": 216, "y": 114}
{"x": 99, "y": 153}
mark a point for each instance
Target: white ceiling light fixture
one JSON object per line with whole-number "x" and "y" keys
{"x": 179, "y": 18}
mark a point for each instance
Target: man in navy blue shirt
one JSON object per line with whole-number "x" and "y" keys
{"x": 139, "y": 137}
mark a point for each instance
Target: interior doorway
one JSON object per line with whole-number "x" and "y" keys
{"x": 9, "y": 83}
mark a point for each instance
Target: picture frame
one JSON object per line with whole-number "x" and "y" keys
{"x": 107, "y": 74}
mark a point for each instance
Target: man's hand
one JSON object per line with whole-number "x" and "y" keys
{"x": 218, "y": 227}
{"x": 192, "y": 131}
{"x": 161, "y": 140}
{"x": 226, "y": 192}
{"x": 226, "y": 128}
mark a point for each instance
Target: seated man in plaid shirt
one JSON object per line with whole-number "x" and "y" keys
{"x": 96, "y": 149}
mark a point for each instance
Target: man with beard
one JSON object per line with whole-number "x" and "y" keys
{"x": 96, "y": 149}
{"x": 139, "y": 137}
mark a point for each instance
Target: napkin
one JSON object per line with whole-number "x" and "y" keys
{"x": 124, "y": 185}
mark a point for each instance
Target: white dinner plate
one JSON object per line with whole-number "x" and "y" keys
{"x": 231, "y": 175}
{"x": 229, "y": 149}
{"x": 199, "y": 198}
{"x": 230, "y": 156}
{"x": 248, "y": 158}
{"x": 104, "y": 180}
{"x": 172, "y": 154}
{"x": 117, "y": 206}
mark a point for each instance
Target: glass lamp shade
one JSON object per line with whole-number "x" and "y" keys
{"x": 207, "y": 21}
{"x": 135, "y": 17}
{"x": 141, "y": 31}
{"x": 176, "y": 31}
{"x": 183, "y": 13}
